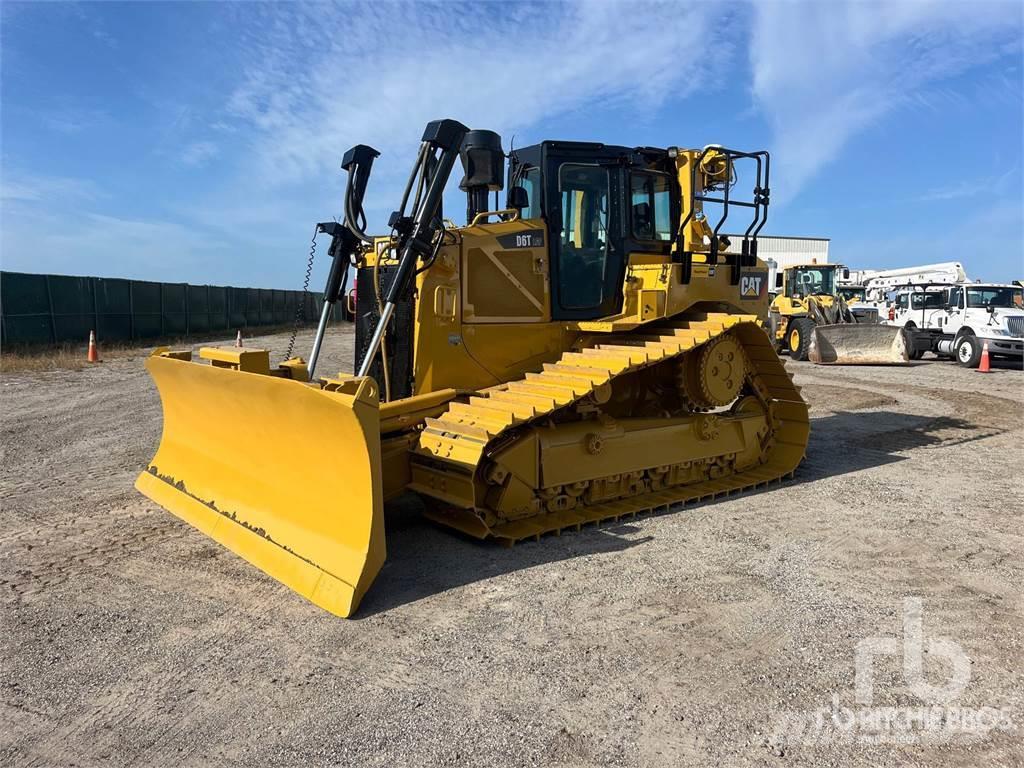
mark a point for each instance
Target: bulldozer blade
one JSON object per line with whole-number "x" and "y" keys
{"x": 284, "y": 474}
{"x": 858, "y": 344}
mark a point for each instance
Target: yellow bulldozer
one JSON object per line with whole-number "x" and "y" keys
{"x": 588, "y": 352}
{"x": 811, "y": 319}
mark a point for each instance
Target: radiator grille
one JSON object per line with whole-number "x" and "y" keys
{"x": 1016, "y": 326}
{"x": 399, "y": 335}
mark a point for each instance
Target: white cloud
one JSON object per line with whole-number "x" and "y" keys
{"x": 320, "y": 80}
{"x": 1000, "y": 222}
{"x": 22, "y": 188}
{"x": 105, "y": 37}
{"x": 111, "y": 246}
{"x": 968, "y": 188}
{"x": 825, "y": 71}
{"x": 66, "y": 123}
{"x": 199, "y": 153}
{"x": 957, "y": 191}
{"x": 313, "y": 80}
{"x": 317, "y": 79}
{"x": 60, "y": 118}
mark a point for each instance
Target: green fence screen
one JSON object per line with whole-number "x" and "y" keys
{"x": 48, "y": 309}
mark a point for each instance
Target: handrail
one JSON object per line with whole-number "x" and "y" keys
{"x": 512, "y": 212}
{"x": 759, "y": 204}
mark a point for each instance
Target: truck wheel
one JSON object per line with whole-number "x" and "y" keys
{"x": 968, "y": 350}
{"x": 799, "y": 339}
{"x": 913, "y": 352}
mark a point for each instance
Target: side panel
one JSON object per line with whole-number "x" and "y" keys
{"x": 505, "y": 276}
{"x": 441, "y": 358}
{"x": 478, "y": 322}
{"x": 506, "y": 306}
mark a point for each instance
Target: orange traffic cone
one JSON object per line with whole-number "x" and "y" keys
{"x": 238, "y": 339}
{"x": 94, "y": 354}
{"x": 983, "y": 367}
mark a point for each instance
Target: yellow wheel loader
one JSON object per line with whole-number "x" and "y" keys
{"x": 811, "y": 320}
{"x": 588, "y": 352}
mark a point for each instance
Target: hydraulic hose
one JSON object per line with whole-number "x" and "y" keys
{"x": 355, "y": 216}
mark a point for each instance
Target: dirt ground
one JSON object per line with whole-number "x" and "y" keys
{"x": 690, "y": 638}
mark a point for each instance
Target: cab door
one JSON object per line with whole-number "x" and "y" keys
{"x": 584, "y": 224}
{"x": 955, "y": 311}
{"x": 902, "y": 305}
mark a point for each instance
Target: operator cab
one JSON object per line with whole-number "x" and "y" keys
{"x": 599, "y": 204}
{"x": 811, "y": 280}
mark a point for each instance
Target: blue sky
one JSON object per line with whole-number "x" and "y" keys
{"x": 200, "y": 142}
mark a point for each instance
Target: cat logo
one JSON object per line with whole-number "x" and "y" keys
{"x": 752, "y": 285}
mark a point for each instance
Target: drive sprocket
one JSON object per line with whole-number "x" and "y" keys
{"x": 713, "y": 375}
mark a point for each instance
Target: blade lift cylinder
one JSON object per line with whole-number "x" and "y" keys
{"x": 346, "y": 238}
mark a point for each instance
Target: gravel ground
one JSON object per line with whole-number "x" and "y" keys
{"x": 692, "y": 638}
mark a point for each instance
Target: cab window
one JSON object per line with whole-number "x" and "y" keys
{"x": 584, "y": 191}
{"x": 929, "y": 300}
{"x": 530, "y": 181}
{"x": 810, "y": 281}
{"x": 649, "y": 206}
{"x": 993, "y": 296}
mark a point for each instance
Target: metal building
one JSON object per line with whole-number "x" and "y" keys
{"x": 787, "y": 251}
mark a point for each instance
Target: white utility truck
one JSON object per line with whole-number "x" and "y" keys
{"x": 887, "y": 291}
{"x": 879, "y": 283}
{"x": 915, "y": 306}
{"x": 956, "y": 321}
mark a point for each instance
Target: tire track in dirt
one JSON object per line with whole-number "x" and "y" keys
{"x": 47, "y": 556}
{"x": 977, "y": 410}
{"x": 151, "y": 702}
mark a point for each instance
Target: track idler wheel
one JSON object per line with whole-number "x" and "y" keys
{"x": 713, "y": 375}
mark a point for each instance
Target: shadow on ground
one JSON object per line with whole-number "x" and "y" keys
{"x": 426, "y": 559}
{"x": 845, "y": 441}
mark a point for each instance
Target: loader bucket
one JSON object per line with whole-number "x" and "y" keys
{"x": 858, "y": 344}
{"x": 284, "y": 474}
